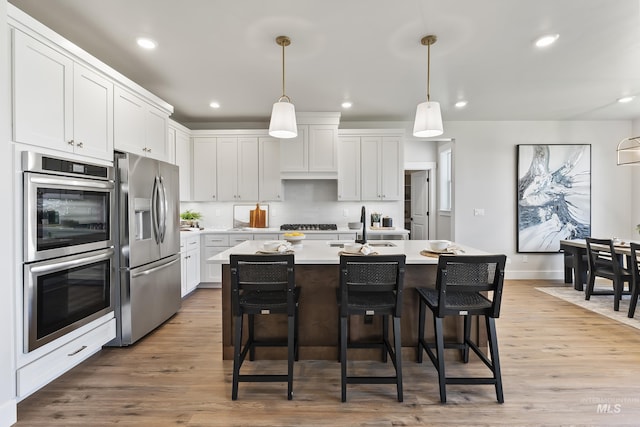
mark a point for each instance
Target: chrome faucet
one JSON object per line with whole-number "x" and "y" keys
{"x": 363, "y": 220}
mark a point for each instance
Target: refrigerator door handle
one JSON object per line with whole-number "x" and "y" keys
{"x": 164, "y": 209}
{"x": 154, "y": 210}
{"x": 153, "y": 270}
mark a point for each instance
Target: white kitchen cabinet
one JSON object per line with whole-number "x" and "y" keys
{"x": 43, "y": 370}
{"x": 139, "y": 127}
{"x": 312, "y": 154}
{"x": 349, "y": 168}
{"x": 204, "y": 169}
{"x": 269, "y": 182}
{"x": 190, "y": 262}
{"x": 381, "y": 168}
{"x": 59, "y": 103}
{"x": 237, "y": 167}
{"x": 212, "y": 244}
{"x": 179, "y": 138}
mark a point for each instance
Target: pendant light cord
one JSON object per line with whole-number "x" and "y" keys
{"x": 283, "y": 91}
{"x": 428, "y": 72}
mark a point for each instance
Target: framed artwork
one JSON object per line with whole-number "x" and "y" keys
{"x": 554, "y": 195}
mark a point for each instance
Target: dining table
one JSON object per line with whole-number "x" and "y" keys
{"x": 575, "y": 260}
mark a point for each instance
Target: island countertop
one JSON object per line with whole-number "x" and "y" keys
{"x": 322, "y": 252}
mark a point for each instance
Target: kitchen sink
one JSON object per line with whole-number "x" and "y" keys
{"x": 373, "y": 244}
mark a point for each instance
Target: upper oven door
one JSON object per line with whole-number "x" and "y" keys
{"x": 64, "y": 215}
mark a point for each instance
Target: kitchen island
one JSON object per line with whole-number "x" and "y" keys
{"x": 317, "y": 274}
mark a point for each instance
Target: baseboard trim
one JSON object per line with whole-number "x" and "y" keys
{"x": 533, "y": 275}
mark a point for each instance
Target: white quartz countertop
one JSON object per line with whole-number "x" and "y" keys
{"x": 321, "y": 252}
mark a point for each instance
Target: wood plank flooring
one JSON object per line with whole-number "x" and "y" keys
{"x": 561, "y": 365}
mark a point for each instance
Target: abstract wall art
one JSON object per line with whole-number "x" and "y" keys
{"x": 554, "y": 195}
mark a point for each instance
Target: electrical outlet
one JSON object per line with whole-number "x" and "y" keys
{"x": 478, "y": 212}
{"x": 217, "y": 212}
{"x": 274, "y": 212}
{"x": 525, "y": 258}
{"x": 345, "y": 213}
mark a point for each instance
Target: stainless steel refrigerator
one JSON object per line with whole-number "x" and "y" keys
{"x": 148, "y": 223}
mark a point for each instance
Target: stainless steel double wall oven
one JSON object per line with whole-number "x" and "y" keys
{"x": 69, "y": 262}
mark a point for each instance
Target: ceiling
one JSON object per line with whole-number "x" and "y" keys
{"x": 367, "y": 52}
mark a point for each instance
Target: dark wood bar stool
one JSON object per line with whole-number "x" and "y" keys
{"x": 263, "y": 285}
{"x": 466, "y": 285}
{"x": 603, "y": 262}
{"x": 370, "y": 286}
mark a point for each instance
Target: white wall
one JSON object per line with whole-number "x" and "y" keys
{"x": 485, "y": 177}
{"x": 8, "y": 410}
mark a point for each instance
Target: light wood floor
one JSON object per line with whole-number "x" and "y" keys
{"x": 559, "y": 363}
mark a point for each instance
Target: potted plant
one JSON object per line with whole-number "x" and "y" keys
{"x": 190, "y": 218}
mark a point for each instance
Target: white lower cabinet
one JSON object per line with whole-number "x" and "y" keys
{"x": 45, "y": 369}
{"x": 212, "y": 244}
{"x": 190, "y": 262}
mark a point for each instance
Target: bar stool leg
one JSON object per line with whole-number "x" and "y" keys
{"x": 290, "y": 354}
{"x": 442, "y": 380}
{"x": 495, "y": 358}
{"x": 467, "y": 337}
{"x": 343, "y": 356}
{"x": 385, "y": 337}
{"x": 252, "y": 348}
{"x": 237, "y": 349}
{"x": 397, "y": 356}
{"x": 421, "y": 331}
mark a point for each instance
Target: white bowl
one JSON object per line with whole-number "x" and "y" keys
{"x": 272, "y": 245}
{"x": 354, "y": 225}
{"x": 352, "y": 248}
{"x": 438, "y": 245}
{"x": 293, "y": 239}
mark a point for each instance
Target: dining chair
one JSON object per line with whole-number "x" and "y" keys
{"x": 466, "y": 286}
{"x": 263, "y": 285}
{"x": 370, "y": 286}
{"x": 604, "y": 262}
{"x": 635, "y": 273}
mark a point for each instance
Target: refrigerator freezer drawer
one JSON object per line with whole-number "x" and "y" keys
{"x": 150, "y": 297}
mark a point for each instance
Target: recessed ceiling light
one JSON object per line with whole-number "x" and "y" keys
{"x": 214, "y": 104}
{"x": 461, "y": 104}
{"x": 146, "y": 43}
{"x": 626, "y": 99}
{"x": 547, "y": 40}
{"x": 347, "y": 104}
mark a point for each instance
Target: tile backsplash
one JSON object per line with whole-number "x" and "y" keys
{"x": 306, "y": 201}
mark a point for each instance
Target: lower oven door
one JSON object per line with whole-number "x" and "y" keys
{"x": 63, "y": 294}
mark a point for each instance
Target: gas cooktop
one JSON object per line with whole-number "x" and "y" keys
{"x": 319, "y": 227}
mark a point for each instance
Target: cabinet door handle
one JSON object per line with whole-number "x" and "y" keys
{"x": 80, "y": 144}
{"x": 72, "y": 142}
{"x": 77, "y": 351}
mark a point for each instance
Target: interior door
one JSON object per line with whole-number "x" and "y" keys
{"x": 420, "y": 205}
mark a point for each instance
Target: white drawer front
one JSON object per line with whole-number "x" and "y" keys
{"x": 216, "y": 240}
{"x": 50, "y": 366}
{"x": 237, "y": 239}
{"x": 265, "y": 236}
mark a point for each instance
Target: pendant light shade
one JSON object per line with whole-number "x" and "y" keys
{"x": 629, "y": 151}
{"x": 283, "y": 115}
{"x": 428, "y": 120}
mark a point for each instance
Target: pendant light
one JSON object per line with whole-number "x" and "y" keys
{"x": 283, "y": 115}
{"x": 428, "y": 118}
{"x": 629, "y": 151}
